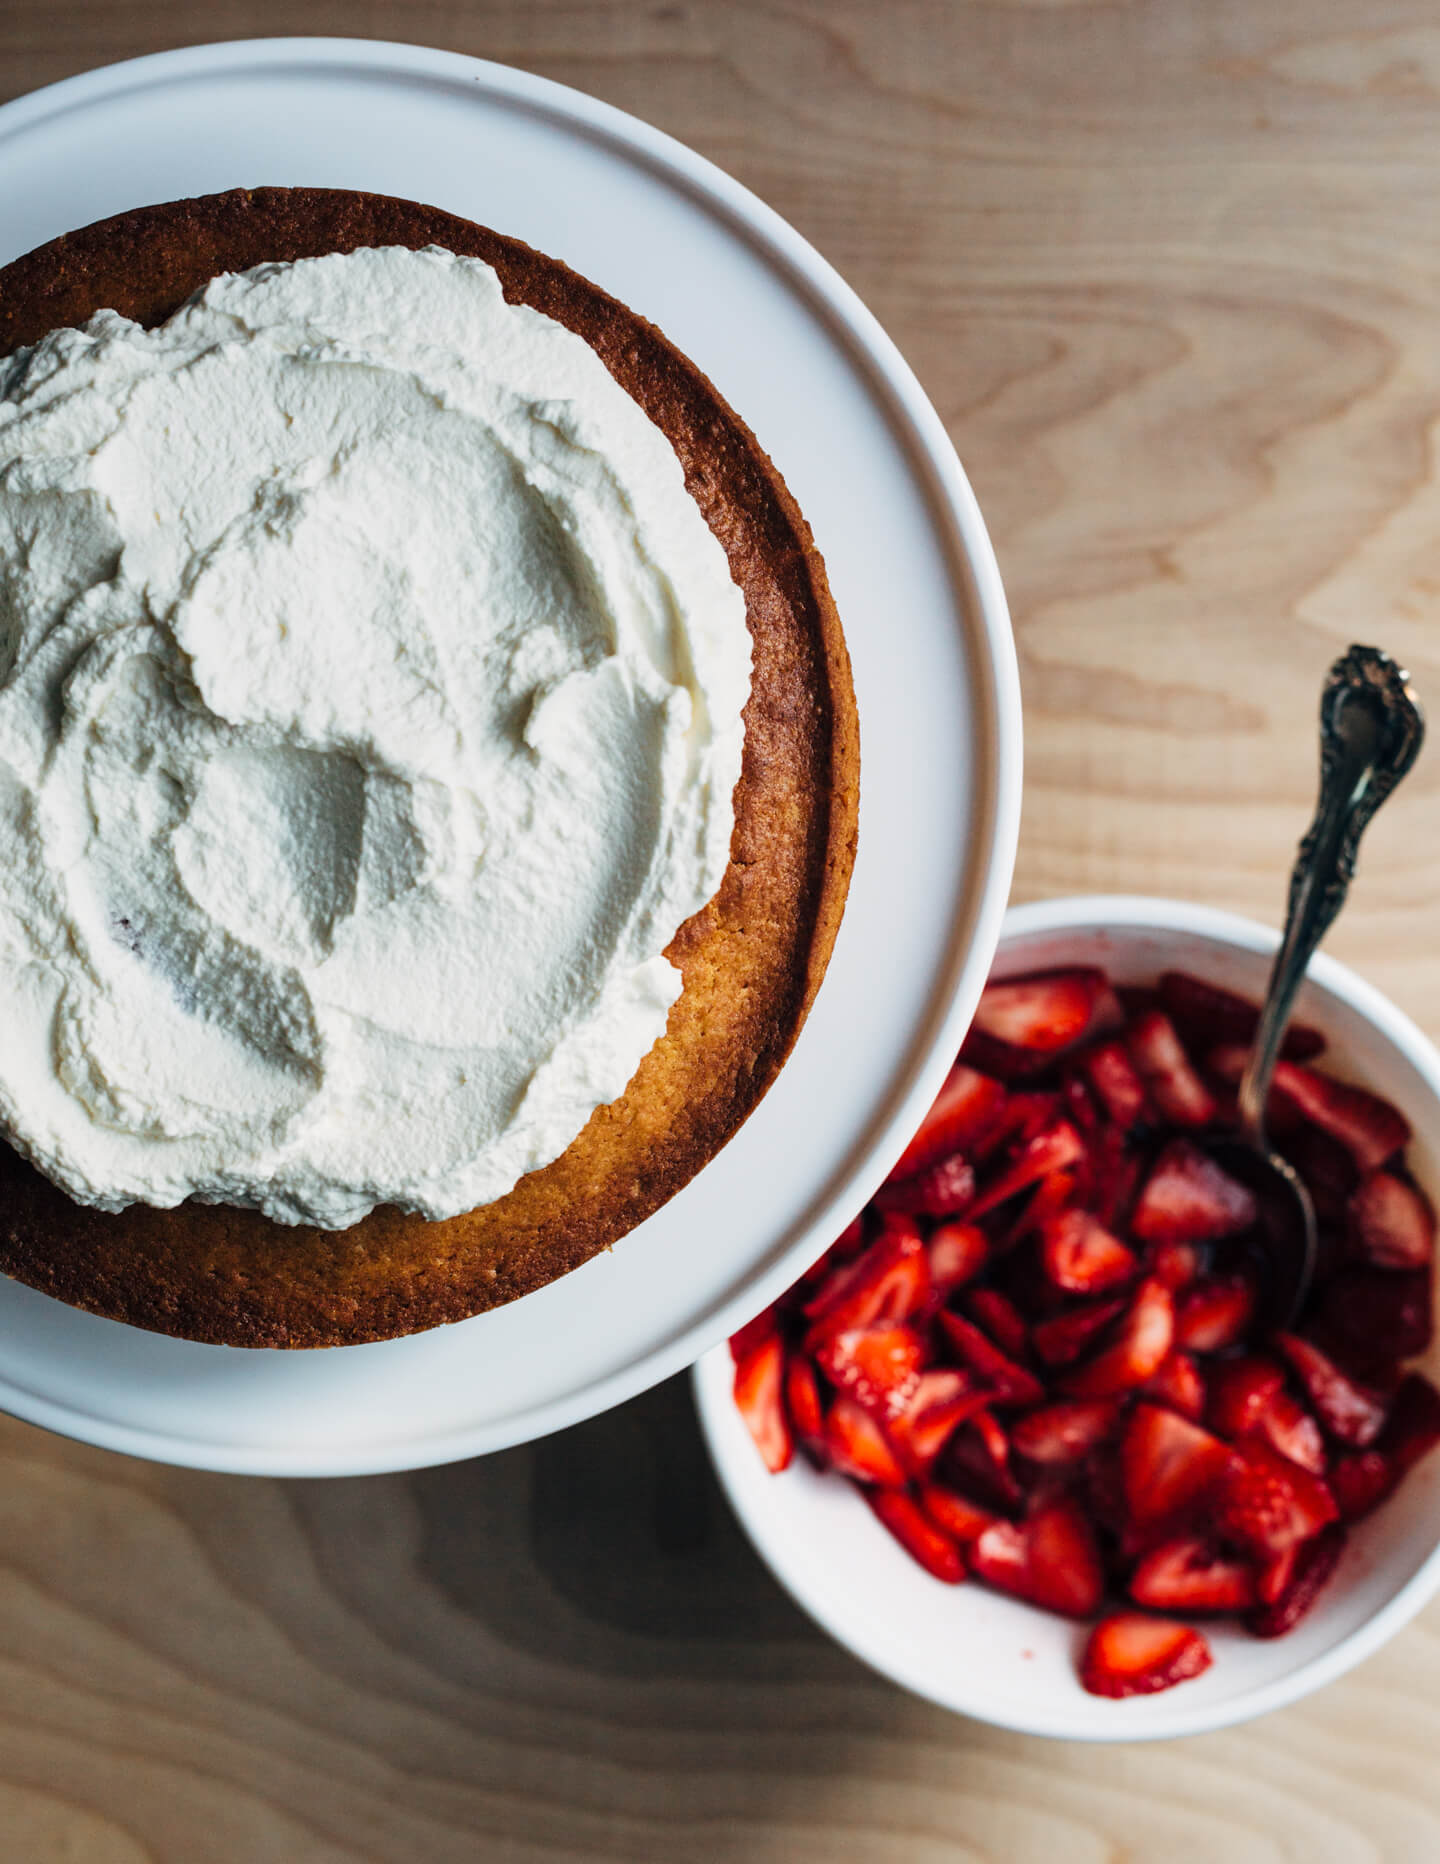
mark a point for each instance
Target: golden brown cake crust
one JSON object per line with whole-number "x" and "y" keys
{"x": 752, "y": 959}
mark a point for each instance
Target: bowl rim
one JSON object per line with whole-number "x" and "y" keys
{"x": 710, "y": 1380}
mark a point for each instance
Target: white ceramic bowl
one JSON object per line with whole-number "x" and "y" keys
{"x": 973, "y": 1650}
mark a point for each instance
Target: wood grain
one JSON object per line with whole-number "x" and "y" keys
{"x": 1170, "y": 274}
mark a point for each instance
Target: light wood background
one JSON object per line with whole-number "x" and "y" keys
{"x": 1171, "y": 273}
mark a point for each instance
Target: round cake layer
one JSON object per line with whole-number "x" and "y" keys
{"x": 751, "y": 960}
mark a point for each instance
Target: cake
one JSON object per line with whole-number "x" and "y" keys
{"x": 751, "y": 959}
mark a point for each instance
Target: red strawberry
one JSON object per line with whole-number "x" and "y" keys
{"x": 1188, "y": 1199}
{"x": 1081, "y": 1257}
{"x": 1361, "y": 1481}
{"x": 1289, "y": 1428}
{"x": 859, "y": 1447}
{"x": 802, "y": 1397}
{"x": 957, "y": 1253}
{"x": 1205, "y": 1014}
{"x": 1352, "y": 1413}
{"x": 977, "y": 1462}
{"x": 1413, "y": 1427}
{"x": 1023, "y": 1116}
{"x": 1240, "y": 1393}
{"x": 759, "y": 1380}
{"x": 918, "y": 1534}
{"x": 1170, "y": 1468}
{"x": 1133, "y": 1654}
{"x": 1061, "y": 1340}
{"x": 1392, "y": 1223}
{"x": 1050, "y": 1558}
{"x": 1272, "y": 1576}
{"x": 1043, "y": 1012}
{"x": 1143, "y": 1337}
{"x": 943, "y": 1400}
{"x": 1266, "y": 1503}
{"x": 1177, "y": 1264}
{"x": 1053, "y": 1193}
{"x": 940, "y": 1190}
{"x": 1214, "y": 1314}
{"x": 1116, "y": 1080}
{"x": 1009, "y": 1383}
{"x": 998, "y": 1315}
{"x": 1379, "y": 1314}
{"x": 961, "y": 1519}
{"x": 1192, "y": 1575}
{"x": 1051, "y": 1150}
{"x": 965, "y": 1106}
{"x": 879, "y": 1367}
{"x": 888, "y": 1283}
{"x": 1315, "y": 1562}
{"x": 1368, "y": 1126}
{"x": 1064, "y": 1432}
{"x": 1179, "y": 1384}
{"x": 1170, "y": 1079}
{"x": 1326, "y": 1170}
{"x": 1111, "y": 1172}
{"x": 754, "y": 1332}
{"x": 1079, "y": 1105}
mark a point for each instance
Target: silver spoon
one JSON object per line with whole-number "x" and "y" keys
{"x": 1370, "y": 731}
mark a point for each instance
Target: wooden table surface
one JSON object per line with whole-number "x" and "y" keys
{"x": 1171, "y": 274}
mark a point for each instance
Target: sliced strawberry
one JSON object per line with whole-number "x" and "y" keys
{"x": 755, "y": 1332}
{"x": 1379, "y": 1314}
{"x": 1024, "y": 1115}
{"x": 1326, "y": 1170}
{"x": 1080, "y": 1256}
{"x": 1049, "y": 1559}
{"x": 1205, "y": 1014}
{"x": 1064, "y": 1432}
{"x": 961, "y": 1519}
{"x": 1215, "y": 1313}
{"x": 1050, "y": 1150}
{"x": 1240, "y": 1393}
{"x": 1177, "y": 1264}
{"x": 1143, "y": 1337}
{"x": 1133, "y": 1654}
{"x": 1392, "y": 1223}
{"x": 1352, "y": 1413}
{"x": 977, "y": 1462}
{"x": 940, "y": 1190}
{"x": 888, "y": 1283}
{"x": 1062, "y": 1339}
{"x": 1079, "y": 1105}
{"x": 1044, "y": 1012}
{"x": 1412, "y": 1429}
{"x": 759, "y": 1380}
{"x": 1192, "y": 1575}
{"x": 879, "y": 1367}
{"x": 930, "y": 1546}
{"x": 1171, "y": 1469}
{"x": 966, "y": 1105}
{"x": 1009, "y": 1383}
{"x": 1289, "y": 1428}
{"x": 1170, "y": 1079}
{"x": 1180, "y": 1384}
{"x": 1370, "y": 1128}
{"x": 1361, "y": 1481}
{"x": 802, "y": 1397}
{"x": 1116, "y": 1080}
{"x": 1273, "y": 1575}
{"x": 1315, "y": 1563}
{"x": 1110, "y": 1173}
{"x": 1187, "y": 1198}
{"x": 957, "y": 1252}
{"x": 1055, "y": 1191}
{"x": 1266, "y": 1503}
{"x": 998, "y": 1315}
{"x": 859, "y": 1447}
{"x": 944, "y": 1398}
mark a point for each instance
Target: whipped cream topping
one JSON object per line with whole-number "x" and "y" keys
{"x": 370, "y": 713}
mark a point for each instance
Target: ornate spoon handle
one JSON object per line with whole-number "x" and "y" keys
{"x": 1370, "y": 731}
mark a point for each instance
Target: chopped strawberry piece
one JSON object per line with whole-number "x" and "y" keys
{"x": 944, "y": 1398}
{"x": 1192, "y": 1575}
{"x": 1180, "y": 1384}
{"x": 1266, "y": 1503}
{"x": 1081, "y": 1256}
{"x": 1315, "y": 1563}
{"x": 1371, "y": 1129}
{"x": 957, "y": 1253}
{"x": 1143, "y": 1337}
{"x": 1204, "y": 1013}
{"x": 755, "y": 1332}
{"x": 1326, "y": 1170}
{"x": 759, "y": 1378}
{"x": 1188, "y": 1199}
{"x": 1177, "y": 1264}
{"x": 1050, "y": 1558}
{"x": 930, "y": 1546}
{"x": 802, "y": 1397}
{"x": 1392, "y": 1223}
{"x": 1111, "y": 1172}
{"x": 859, "y": 1447}
{"x": 1000, "y": 1318}
{"x": 1064, "y": 1432}
{"x": 879, "y": 1367}
{"x": 1361, "y": 1481}
{"x": 1379, "y": 1314}
{"x": 1050, "y": 1150}
{"x": 1053, "y": 1193}
{"x": 977, "y": 1462}
{"x": 1352, "y": 1413}
{"x": 1214, "y": 1314}
{"x": 888, "y": 1283}
{"x": 941, "y": 1190}
{"x": 1133, "y": 1654}
{"x": 1240, "y": 1394}
{"x": 1044, "y": 1012}
{"x": 1171, "y": 1469}
{"x": 1079, "y": 1105}
{"x": 961, "y": 1519}
{"x": 1062, "y": 1339}
{"x": 1272, "y": 1576}
{"x": 1116, "y": 1080}
{"x": 1289, "y": 1428}
{"x": 1170, "y": 1080}
{"x": 1412, "y": 1429}
{"x": 966, "y": 1105}
{"x": 1009, "y": 1383}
